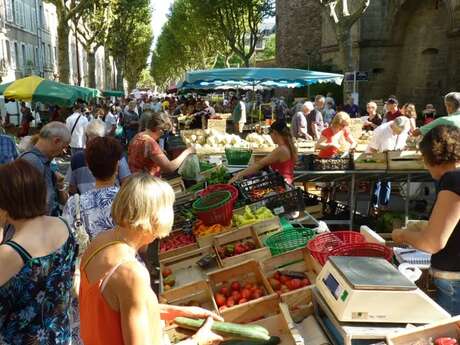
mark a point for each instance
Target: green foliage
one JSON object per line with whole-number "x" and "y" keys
{"x": 130, "y": 38}
{"x": 270, "y": 49}
{"x": 145, "y": 80}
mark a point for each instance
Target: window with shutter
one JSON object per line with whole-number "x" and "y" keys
{"x": 9, "y": 10}
{"x": 14, "y": 55}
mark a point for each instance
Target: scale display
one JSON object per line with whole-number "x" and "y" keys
{"x": 333, "y": 285}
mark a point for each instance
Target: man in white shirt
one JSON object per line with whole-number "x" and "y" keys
{"x": 391, "y": 136}
{"x": 76, "y": 123}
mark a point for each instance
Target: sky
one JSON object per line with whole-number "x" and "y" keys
{"x": 160, "y": 10}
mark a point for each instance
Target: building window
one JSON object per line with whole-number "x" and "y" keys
{"x": 8, "y": 52}
{"x": 24, "y": 55}
{"x": 44, "y": 53}
{"x": 50, "y": 53}
{"x": 36, "y": 58}
{"x": 16, "y": 55}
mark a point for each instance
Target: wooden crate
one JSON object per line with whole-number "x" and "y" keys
{"x": 185, "y": 267}
{"x": 246, "y": 272}
{"x": 298, "y": 260}
{"x": 218, "y": 124}
{"x": 270, "y": 314}
{"x": 405, "y": 160}
{"x": 177, "y": 185}
{"x": 370, "y": 161}
{"x": 422, "y": 335}
{"x": 194, "y": 294}
{"x": 236, "y": 236}
{"x": 178, "y": 251}
{"x": 262, "y": 226}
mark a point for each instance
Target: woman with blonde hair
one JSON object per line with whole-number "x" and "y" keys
{"x": 117, "y": 305}
{"x": 329, "y": 143}
{"x": 408, "y": 110}
{"x": 282, "y": 159}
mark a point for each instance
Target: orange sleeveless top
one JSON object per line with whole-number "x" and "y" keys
{"x": 99, "y": 323}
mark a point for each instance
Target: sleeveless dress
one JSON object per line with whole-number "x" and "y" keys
{"x": 34, "y": 304}
{"x": 285, "y": 169}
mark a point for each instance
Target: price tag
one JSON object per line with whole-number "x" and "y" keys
{"x": 278, "y": 210}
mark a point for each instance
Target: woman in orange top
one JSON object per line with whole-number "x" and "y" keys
{"x": 329, "y": 142}
{"x": 117, "y": 305}
{"x": 144, "y": 152}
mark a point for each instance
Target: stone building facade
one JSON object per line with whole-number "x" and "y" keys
{"x": 410, "y": 48}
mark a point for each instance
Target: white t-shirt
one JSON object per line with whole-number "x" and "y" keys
{"x": 383, "y": 139}
{"x": 78, "y": 136}
{"x": 110, "y": 121}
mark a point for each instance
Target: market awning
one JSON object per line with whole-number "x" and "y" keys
{"x": 36, "y": 89}
{"x": 113, "y": 93}
{"x": 265, "y": 77}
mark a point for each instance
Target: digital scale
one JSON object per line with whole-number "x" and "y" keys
{"x": 371, "y": 290}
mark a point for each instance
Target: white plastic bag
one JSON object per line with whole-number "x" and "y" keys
{"x": 190, "y": 168}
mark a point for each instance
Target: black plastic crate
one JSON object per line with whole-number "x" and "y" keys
{"x": 314, "y": 163}
{"x": 287, "y": 202}
{"x": 271, "y": 180}
{"x": 334, "y": 210}
{"x": 311, "y": 199}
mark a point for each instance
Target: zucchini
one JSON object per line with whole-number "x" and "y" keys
{"x": 271, "y": 341}
{"x": 232, "y": 330}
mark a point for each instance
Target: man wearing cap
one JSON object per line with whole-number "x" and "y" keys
{"x": 452, "y": 104}
{"x": 392, "y": 109}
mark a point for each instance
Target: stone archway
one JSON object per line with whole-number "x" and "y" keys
{"x": 422, "y": 58}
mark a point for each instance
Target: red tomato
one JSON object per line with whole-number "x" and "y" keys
{"x": 243, "y": 300}
{"x": 236, "y": 295}
{"x": 284, "y": 279}
{"x": 296, "y": 283}
{"x": 257, "y": 293}
{"x": 220, "y": 299}
{"x": 225, "y": 291}
{"x": 236, "y": 286}
{"x": 248, "y": 286}
{"x": 277, "y": 275}
{"x": 305, "y": 282}
{"x": 246, "y": 293}
{"x": 230, "y": 302}
{"x": 275, "y": 283}
{"x": 445, "y": 341}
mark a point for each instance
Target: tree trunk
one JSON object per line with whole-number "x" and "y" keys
{"x": 120, "y": 74}
{"x": 131, "y": 85}
{"x": 91, "y": 68}
{"x": 345, "y": 43}
{"x": 107, "y": 70}
{"x": 63, "y": 50}
{"x": 247, "y": 61}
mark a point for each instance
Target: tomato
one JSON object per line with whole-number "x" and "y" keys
{"x": 275, "y": 283}
{"x": 246, "y": 293}
{"x": 248, "y": 286}
{"x": 257, "y": 293}
{"x": 220, "y": 299}
{"x": 445, "y": 341}
{"x": 284, "y": 279}
{"x": 225, "y": 291}
{"x": 236, "y": 295}
{"x": 236, "y": 286}
{"x": 305, "y": 282}
{"x": 295, "y": 284}
{"x": 277, "y": 276}
{"x": 230, "y": 302}
{"x": 242, "y": 300}
{"x": 166, "y": 272}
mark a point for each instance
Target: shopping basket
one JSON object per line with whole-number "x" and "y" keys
{"x": 217, "y": 187}
{"x": 322, "y": 245}
{"x": 214, "y": 208}
{"x": 289, "y": 239}
{"x": 237, "y": 156}
{"x": 363, "y": 249}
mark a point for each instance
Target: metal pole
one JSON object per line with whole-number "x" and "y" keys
{"x": 354, "y": 81}
{"x": 308, "y": 85}
{"x": 407, "y": 201}
{"x": 352, "y": 199}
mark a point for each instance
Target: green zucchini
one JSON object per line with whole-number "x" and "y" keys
{"x": 233, "y": 330}
{"x": 271, "y": 341}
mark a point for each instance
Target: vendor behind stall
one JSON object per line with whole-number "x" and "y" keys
{"x": 282, "y": 159}
{"x": 144, "y": 152}
{"x": 440, "y": 148}
{"x": 391, "y": 136}
{"x": 331, "y": 141}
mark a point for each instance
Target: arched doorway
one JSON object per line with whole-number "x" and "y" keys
{"x": 422, "y": 61}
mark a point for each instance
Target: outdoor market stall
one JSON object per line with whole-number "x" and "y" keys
{"x": 243, "y": 259}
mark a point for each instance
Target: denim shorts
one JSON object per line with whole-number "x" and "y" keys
{"x": 448, "y": 295}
